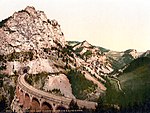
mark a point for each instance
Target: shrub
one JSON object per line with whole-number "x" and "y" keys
{"x": 73, "y": 105}
{"x": 80, "y": 85}
{"x": 3, "y": 22}
{"x": 78, "y": 50}
{"x": 17, "y": 55}
{"x": 37, "y": 79}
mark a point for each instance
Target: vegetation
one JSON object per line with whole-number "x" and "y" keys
{"x": 135, "y": 85}
{"x": 137, "y": 63}
{"x": 20, "y": 56}
{"x": 1, "y": 57}
{"x": 68, "y": 50}
{"x": 3, "y": 61}
{"x": 122, "y": 61}
{"x": 11, "y": 91}
{"x": 7, "y": 91}
{"x": 80, "y": 85}
{"x": 56, "y": 92}
{"x": 87, "y": 53}
{"x": 73, "y": 43}
{"x": 78, "y": 50}
{"x": 46, "y": 50}
{"x": 2, "y": 103}
{"x": 113, "y": 96}
{"x": 1, "y": 79}
{"x": 3, "y": 22}
{"x": 2, "y": 67}
{"x": 127, "y": 58}
{"x": 73, "y": 105}
{"x": 103, "y": 49}
{"x": 2, "y": 75}
{"x": 37, "y": 79}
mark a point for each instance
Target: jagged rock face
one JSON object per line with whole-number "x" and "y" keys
{"x": 27, "y": 30}
{"x": 94, "y": 60}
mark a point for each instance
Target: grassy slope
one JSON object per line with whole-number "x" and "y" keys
{"x": 135, "y": 83}
{"x": 120, "y": 61}
{"x": 81, "y": 87}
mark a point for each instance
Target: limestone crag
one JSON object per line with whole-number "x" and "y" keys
{"x": 29, "y": 30}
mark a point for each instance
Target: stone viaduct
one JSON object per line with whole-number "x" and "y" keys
{"x": 30, "y": 99}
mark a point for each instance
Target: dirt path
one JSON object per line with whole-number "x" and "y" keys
{"x": 118, "y": 83}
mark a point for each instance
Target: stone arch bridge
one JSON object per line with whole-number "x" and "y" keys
{"x": 28, "y": 98}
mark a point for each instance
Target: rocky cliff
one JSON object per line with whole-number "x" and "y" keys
{"x": 28, "y": 30}
{"x": 25, "y": 40}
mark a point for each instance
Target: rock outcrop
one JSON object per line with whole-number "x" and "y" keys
{"x": 27, "y": 40}
{"x": 29, "y": 30}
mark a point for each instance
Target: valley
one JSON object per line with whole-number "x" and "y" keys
{"x": 40, "y": 70}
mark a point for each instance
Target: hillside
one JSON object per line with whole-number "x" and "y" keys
{"x": 121, "y": 59}
{"x": 134, "y": 82}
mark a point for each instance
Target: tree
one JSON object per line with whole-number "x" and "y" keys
{"x": 73, "y": 105}
{"x": 100, "y": 106}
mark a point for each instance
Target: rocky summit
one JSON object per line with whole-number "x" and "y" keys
{"x": 28, "y": 30}
{"x": 39, "y": 70}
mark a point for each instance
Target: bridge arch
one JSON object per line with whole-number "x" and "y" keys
{"x": 46, "y": 106}
{"x": 27, "y": 101}
{"x": 35, "y": 104}
{"x": 61, "y": 107}
{"x": 21, "y": 96}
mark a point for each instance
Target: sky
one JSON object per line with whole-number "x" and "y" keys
{"x": 113, "y": 24}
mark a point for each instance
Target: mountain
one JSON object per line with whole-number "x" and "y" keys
{"x": 121, "y": 59}
{"x": 131, "y": 88}
{"x": 30, "y": 43}
{"x": 34, "y": 46}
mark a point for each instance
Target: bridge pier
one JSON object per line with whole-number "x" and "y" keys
{"x": 40, "y": 103}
